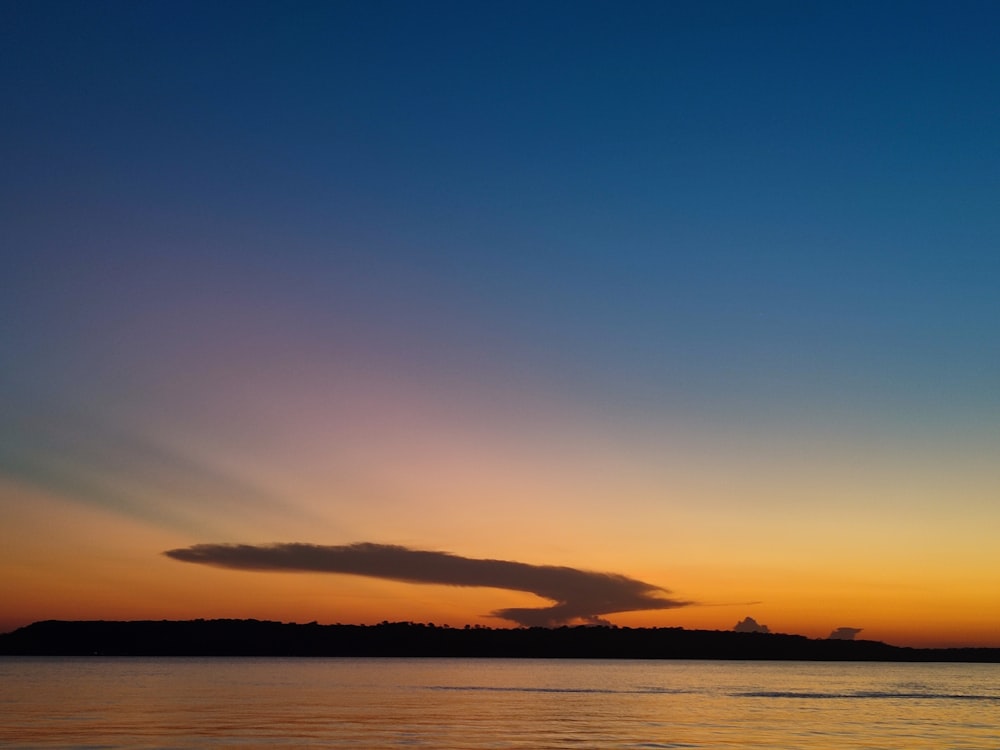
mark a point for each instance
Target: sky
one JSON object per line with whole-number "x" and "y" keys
{"x": 656, "y": 314}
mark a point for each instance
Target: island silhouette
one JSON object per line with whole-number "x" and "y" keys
{"x": 409, "y": 639}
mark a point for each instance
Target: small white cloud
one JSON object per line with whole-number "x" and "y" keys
{"x": 844, "y": 634}
{"x": 750, "y": 625}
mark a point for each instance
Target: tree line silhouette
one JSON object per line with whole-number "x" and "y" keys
{"x": 398, "y": 639}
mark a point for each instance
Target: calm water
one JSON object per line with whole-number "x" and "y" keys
{"x": 464, "y": 704}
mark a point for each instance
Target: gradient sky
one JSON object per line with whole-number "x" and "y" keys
{"x": 703, "y": 294}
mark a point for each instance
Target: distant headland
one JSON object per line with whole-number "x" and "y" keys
{"x": 408, "y": 639}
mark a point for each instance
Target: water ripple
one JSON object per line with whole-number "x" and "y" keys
{"x": 865, "y": 695}
{"x": 526, "y": 689}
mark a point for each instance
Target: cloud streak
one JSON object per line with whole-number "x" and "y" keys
{"x": 95, "y": 461}
{"x": 579, "y": 595}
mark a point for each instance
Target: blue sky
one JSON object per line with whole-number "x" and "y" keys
{"x": 645, "y": 189}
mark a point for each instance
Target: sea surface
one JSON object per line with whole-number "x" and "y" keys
{"x": 465, "y": 704}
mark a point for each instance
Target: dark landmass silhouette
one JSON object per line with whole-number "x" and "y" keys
{"x": 264, "y": 638}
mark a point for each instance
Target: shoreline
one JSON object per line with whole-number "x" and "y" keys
{"x": 407, "y": 639}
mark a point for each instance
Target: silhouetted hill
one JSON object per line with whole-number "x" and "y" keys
{"x": 262, "y": 638}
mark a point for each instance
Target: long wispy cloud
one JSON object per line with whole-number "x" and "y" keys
{"x": 579, "y": 595}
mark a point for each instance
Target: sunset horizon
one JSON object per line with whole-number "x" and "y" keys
{"x": 654, "y": 314}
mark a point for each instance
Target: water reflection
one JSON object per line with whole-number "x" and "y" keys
{"x": 471, "y": 704}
